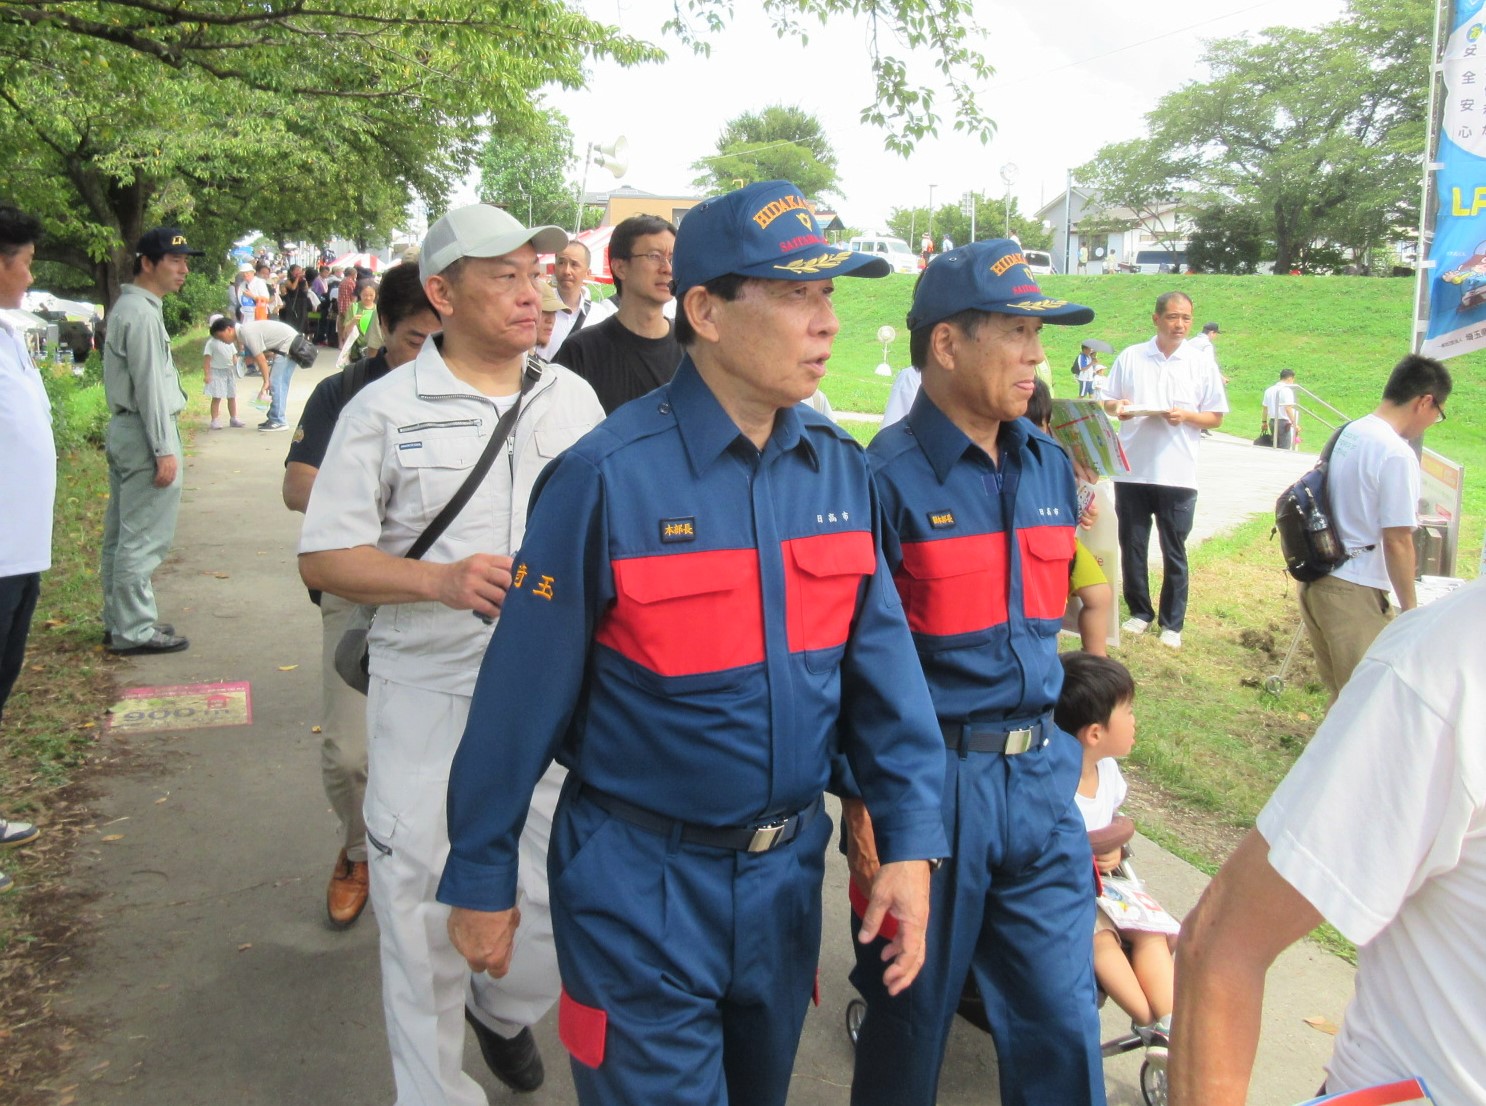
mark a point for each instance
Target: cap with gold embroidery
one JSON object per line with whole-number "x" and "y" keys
{"x": 991, "y": 276}
{"x": 163, "y": 240}
{"x": 765, "y": 230}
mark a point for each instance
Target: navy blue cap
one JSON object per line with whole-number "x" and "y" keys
{"x": 764, "y": 230}
{"x": 990, "y": 276}
{"x": 163, "y": 240}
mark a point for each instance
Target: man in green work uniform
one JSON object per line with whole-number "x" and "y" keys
{"x": 143, "y": 446}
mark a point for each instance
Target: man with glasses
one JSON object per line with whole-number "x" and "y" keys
{"x": 1373, "y": 484}
{"x": 633, "y": 351}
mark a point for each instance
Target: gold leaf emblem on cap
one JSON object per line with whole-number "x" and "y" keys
{"x": 815, "y": 264}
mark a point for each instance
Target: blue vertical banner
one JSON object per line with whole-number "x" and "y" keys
{"x": 1457, "y": 285}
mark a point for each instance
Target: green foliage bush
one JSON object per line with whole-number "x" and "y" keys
{"x": 79, "y": 410}
{"x": 200, "y": 297}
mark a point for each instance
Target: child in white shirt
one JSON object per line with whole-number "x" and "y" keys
{"x": 219, "y": 366}
{"x": 1096, "y": 706}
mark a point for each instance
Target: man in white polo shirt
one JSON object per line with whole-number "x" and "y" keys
{"x": 261, "y": 339}
{"x": 1165, "y": 394}
{"x": 570, "y": 270}
{"x": 1373, "y": 484}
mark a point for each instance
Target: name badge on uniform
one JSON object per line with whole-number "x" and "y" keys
{"x": 941, "y": 520}
{"x": 678, "y": 529}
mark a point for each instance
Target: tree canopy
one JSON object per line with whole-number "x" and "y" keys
{"x": 1316, "y": 133}
{"x": 529, "y": 176}
{"x": 314, "y": 118}
{"x": 778, "y": 143}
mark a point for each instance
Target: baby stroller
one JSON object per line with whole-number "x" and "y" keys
{"x": 1153, "y": 1070}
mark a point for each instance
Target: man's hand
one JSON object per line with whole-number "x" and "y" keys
{"x": 1176, "y": 416}
{"x": 484, "y": 938}
{"x": 165, "y": 470}
{"x": 476, "y": 583}
{"x": 902, "y": 889}
{"x": 861, "y": 845}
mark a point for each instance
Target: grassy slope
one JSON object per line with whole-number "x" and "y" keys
{"x": 1340, "y": 335}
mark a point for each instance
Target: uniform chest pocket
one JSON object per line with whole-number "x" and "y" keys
{"x": 684, "y": 614}
{"x": 822, "y": 579}
{"x": 954, "y": 585}
{"x": 1047, "y": 556}
{"x": 437, "y": 458}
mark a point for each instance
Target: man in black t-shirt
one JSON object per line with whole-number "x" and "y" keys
{"x": 407, "y": 321}
{"x": 633, "y": 351}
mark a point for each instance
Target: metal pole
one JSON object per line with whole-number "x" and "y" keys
{"x": 1068, "y": 224}
{"x": 1420, "y": 320}
{"x": 931, "y": 211}
{"x": 974, "y": 202}
{"x": 582, "y": 187}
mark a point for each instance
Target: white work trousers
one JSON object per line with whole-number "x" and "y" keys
{"x": 412, "y": 734}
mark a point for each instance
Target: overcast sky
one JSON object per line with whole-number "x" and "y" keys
{"x": 1070, "y": 76}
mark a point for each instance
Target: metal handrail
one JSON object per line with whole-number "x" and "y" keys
{"x": 1341, "y": 416}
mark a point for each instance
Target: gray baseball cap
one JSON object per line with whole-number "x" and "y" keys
{"x": 481, "y": 230}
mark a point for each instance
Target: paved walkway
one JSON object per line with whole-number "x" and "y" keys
{"x": 213, "y": 978}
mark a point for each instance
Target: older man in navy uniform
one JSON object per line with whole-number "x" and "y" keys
{"x": 979, "y": 534}
{"x": 699, "y": 616}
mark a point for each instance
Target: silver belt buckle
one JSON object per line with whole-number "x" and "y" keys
{"x": 1019, "y": 741}
{"x": 765, "y": 837}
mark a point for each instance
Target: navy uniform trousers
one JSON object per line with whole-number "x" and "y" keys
{"x": 636, "y": 916}
{"x": 1021, "y": 878}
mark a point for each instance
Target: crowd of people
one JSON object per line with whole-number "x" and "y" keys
{"x": 606, "y": 607}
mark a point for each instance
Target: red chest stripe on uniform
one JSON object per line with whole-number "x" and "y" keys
{"x": 822, "y": 578}
{"x": 682, "y": 614}
{"x": 1047, "y": 559}
{"x": 954, "y": 585}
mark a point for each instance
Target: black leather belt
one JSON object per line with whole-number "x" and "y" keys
{"x": 994, "y": 737}
{"x": 743, "y": 839}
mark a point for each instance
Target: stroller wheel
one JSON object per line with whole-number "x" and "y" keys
{"x": 856, "y": 1010}
{"x": 1153, "y": 1077}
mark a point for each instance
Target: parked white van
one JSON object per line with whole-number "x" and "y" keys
{"x": 902, "y": 259}
{"x": 1040, "y": 262}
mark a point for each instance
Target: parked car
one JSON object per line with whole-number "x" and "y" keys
{"x": 1039, "y": 261}
{"x": 1160, "y": 261}
{"x": 902, "y": 259}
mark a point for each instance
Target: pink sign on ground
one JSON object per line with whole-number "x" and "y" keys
{"x": 182, "y": 707}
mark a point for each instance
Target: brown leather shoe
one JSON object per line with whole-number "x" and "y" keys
{"x": 345, "y": 898}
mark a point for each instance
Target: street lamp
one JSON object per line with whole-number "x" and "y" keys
{"x": 1008, "y": 176}
{"x": 931, "y": 211}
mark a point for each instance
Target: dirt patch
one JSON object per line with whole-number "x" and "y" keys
{"x": 1202, "y": 836}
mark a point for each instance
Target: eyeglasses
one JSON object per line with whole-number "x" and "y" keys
{"x": 1438, "y": 410}
{"x": 655, "y": 257}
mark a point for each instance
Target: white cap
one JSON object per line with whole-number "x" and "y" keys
{"x": 481, "y": 231}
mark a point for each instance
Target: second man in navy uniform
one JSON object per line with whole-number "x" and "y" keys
{"x": 979, "y": 535}
{"x": 699, "y": 617}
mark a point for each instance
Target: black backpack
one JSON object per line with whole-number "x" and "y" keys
{"x": 1302, "y": 518}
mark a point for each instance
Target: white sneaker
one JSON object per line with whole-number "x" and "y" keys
{"x": 1134, "y": 626}
{"x": 216, "y": 424}
{"x": 1171, "y": 639}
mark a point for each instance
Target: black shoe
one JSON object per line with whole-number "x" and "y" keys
{"x": 514, "y": 1061}
{"x": 157, "y": 643}
{"x": 160, "y": 627}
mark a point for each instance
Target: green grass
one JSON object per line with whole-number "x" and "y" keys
{"x": 1341, "y": 335}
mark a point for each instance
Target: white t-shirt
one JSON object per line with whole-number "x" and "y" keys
{"x": 904, "y": 391}
{"x": 1277, "y": 397}
{"x": 29, "y": 459}
{"x": 1100, "y": 808}
{"x": 1381, "y": 825}
{"x": 1160, "y": 453}
{"x": 223, "y": 354}
{"x": 1373, "y": 482}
